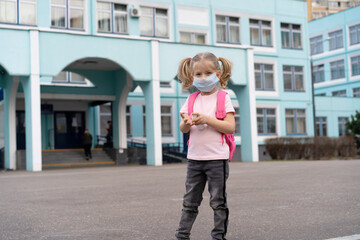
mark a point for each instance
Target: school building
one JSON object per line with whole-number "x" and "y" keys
{"x": 335, "y": 57}
{"x": 69, "y": 65}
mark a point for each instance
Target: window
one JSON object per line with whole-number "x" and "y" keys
{"x": 237, "y": 121}
{"x": 166, "y": 120}
{"x": 105, "y": 117}
{"x": 295, "y": 121}
{"x": 291, "y": 36}
{"x": 264, "y": 77}
{"x": 227, "y": 29}
{"x": 355, "y": 34}
{"x": 112, "y": 17}
{"x": 154, "y": 22}
{"x": 320, "y": 94}
{"x": 128, "y": 121}
{"x": 316, "y": 45}
{"x": 337, "y": 69}
{"x": 68, "y": 14}
{"x": 356, "y": 92}
{"x": 192, "y": 37}
{"x": 18, "y": 11}
{"x": 355, "y": 66}
{"x": 165, "y": 84}
{"x": 293, "y": 78}
{"x": 144, "y": 120}
{"x": 341, "y": 93}
{"x": 318, "y": 73}
{"x": 260, "y": 33}
{"x": 266, "y": 121}
{"x": 342, "y": 125}
{"x": 336, "y": 40}
{"x": 69, "y": 77}
{"x": 321, "y": 127}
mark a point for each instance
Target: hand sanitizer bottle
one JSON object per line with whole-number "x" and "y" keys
{"x": 200, "y": 126}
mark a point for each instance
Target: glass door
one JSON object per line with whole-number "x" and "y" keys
{"x": 69, "y": 128}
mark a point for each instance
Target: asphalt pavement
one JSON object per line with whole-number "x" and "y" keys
{"x": 312, "y": 200}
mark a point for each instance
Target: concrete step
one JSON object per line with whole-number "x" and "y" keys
{"x": 74, "y": 157}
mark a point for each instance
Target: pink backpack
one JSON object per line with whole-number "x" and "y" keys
{"x": 220, "y": 114}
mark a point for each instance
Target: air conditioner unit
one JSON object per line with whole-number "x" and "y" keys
{"x": 135, "y": 12}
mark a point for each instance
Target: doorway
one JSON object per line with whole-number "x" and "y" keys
{"x": 69, "y": 128}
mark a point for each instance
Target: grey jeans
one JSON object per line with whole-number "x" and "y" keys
{"x": 215, "y": 172}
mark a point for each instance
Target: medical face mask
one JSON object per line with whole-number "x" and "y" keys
{"x": 206, "y": 84}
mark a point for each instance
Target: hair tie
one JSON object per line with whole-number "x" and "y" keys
{"x": 218, "y": 58}
{"x": 190, "y": 59}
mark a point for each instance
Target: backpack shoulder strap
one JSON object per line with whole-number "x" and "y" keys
{"x": 191, "y": 102}
{"x": 220, "y": 105}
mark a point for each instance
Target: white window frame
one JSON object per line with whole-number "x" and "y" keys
{"x": 67, "y": 16}
{"x": 317, "y": 42}
{"x": 112, "y": 17}
{"x": 321, "y": 121}
{"x": 226, "y": 14}
{"x": 295, "y": 122}
{"x": 271, "y": 49}
{"x": 337, "y": 60}
{"x": 129, "y": 132}
{"x": 338, "y": 91}
{"x": 356, "y": 89}
{"x": 68, "y": 82}
{"x": 169, "y": 17}
{"x": 18, "y": 12}
{"x": 342, "y": 122}
{"x": 357, "y": 45}
{"x": 262, "y": 138}
{"x": 323, "y": 72}
{"x": 172, "y": 137}
{"x": 357, "y": 77}
{"x": 275, "y": 92}
{"x": 265, "y": 119}
{"x": 194, "y": 32}
{"x": 329, "y": 82}
{"x": 336, "y": 37}
{"x": 291, "y": 34}
{"x": 260, "y": 27}
{"x": 237, "y": 113}
{"x": 169, "y": 89}
{"x": 293, "y": 78}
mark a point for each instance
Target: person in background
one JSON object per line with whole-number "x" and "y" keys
{"x": 87, "y": 142}
{"x": 109, "y": 142}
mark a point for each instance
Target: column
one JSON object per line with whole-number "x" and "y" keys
{"x": 31, "y": 86}
{"x": 123, "y": 87}
{"x": 153, "y": 114}
{"x": 247, "y": 102}
{"x": 10, "y": 89}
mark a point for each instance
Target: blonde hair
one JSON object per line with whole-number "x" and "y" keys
{"x": 186, "y": 68}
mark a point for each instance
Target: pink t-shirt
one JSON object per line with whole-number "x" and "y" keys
{"x": 207, "y": 144}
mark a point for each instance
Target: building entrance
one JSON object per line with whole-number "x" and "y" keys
{"x": 20, "y": 130}
{"x": 69, "y": 128}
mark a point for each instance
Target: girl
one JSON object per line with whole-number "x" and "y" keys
{"x": 207, "y": 154}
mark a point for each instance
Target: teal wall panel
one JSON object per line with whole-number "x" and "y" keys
{"x": 58, "y": 50}
{"x": 15, "y": 51}
{"x": 171, "y": 54}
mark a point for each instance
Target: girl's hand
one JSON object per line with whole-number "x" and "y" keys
{"x": 187, "y": 120}
{"x": 199, "y": 118}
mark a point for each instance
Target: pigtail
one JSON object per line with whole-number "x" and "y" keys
{"x": 184, "y": 73}
{"x": 225, "y": 71}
